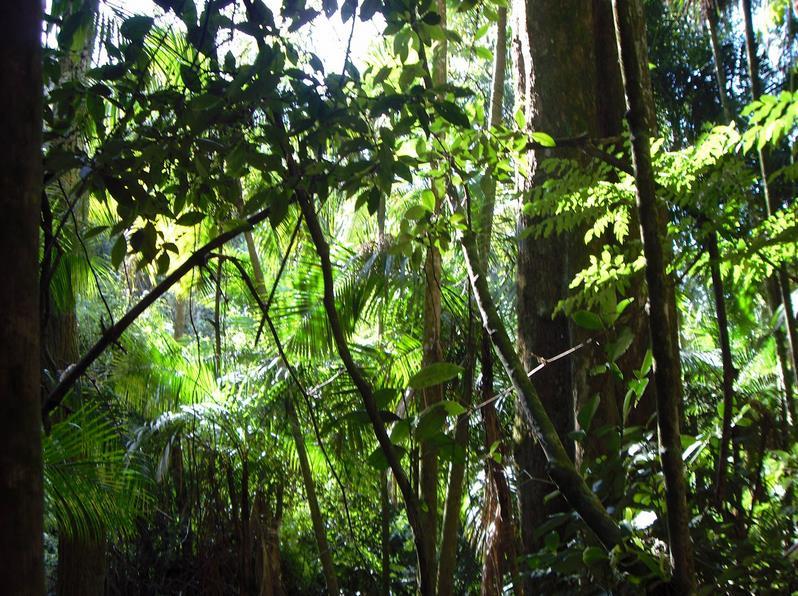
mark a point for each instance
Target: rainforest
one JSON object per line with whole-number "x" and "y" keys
{"x": 434, "y": 297}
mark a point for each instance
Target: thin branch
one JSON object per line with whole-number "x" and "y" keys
{"x": 113, "y": 333}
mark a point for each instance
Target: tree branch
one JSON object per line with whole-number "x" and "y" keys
{"x": 113, "y": 333}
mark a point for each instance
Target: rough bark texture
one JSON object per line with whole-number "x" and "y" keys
{"x": 667, "y": 370}
{"x": 81, "y": 566}
{"x": 569, "y": 84}
{"x": 21, "y": 497}
{"x": 555, "y": 76}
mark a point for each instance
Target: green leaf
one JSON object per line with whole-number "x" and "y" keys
{"x": 453, "y": 408}
{"x": 435, "y": 374}
{"x": 430, "y": 423}
{"x": 136, "y": 27}
{"x": 119, "y": 251}
{"x": 587, "y": 411}
{"x": 588, "y": 320}
{"x": 385, "y": 397}
{"x": 543, "y": 139}
{"x": 190, "y": 78}
{"x": 452, "y": 112}
{"x": 368, "y": 9}
{"x": 192, "y": 218}
{"x": 593, "y": 554}
{"x": 378, "y": 460}
{"x": 432, "y": 18}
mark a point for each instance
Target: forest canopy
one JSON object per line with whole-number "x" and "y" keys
{"x": 399, "y": 296}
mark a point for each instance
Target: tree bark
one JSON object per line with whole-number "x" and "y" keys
{"x": 21, "y": 491}
{"x": 454, "y": 493}
{"x": 667, "y": 370}
{"x": 711, "y": 15}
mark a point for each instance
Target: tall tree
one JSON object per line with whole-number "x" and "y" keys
{"x": 662, "y": 316}
{"x": 21, "y": 497}
{"x": 568, "y": 85}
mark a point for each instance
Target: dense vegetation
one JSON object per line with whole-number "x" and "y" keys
{"x": 499, "y": 299}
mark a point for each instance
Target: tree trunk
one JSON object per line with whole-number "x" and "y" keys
{"x": 81, "y": 566}
{"x": 21, "y": 496}
{"x": 313, "y": 502}
{"x": 385, "y": 535}
{"x": 364, "y": 388}
{"x": 431, "y": 343}
{"x": 667, "y": 370}
{"x": 728, "y": 365}
{"x": 454, "y": 493}
{"x": 499, "y": 553}
{"x": 569, "y": 84}
{"x": 553, "y": 73}
{"x": 560, "y": 467}
{"x": 717, "y": 59}
{"x": 317, "y": 520}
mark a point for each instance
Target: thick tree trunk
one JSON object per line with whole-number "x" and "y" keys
{"x": 569, "y": 84}
{"x": 319, "y": 530}
{"x": 557, "y": 78}
{"x": 21, "y": 496}
{"x": 81, "y": 566}
{"x": 667, "y": 370}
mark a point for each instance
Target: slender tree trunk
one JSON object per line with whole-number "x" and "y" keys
{"x": 770, "y": 201}
{"x": 454, "y": 493}
{"x": 385, "y": 535}
{"x": 21, "y": 496}
{"x": 317, "y": 520}
{"x": 667, "y": 373}
{"x": 313, "y": 502}
{"x": 717, "y": 59}
{"x": 432, "y": 347}
{"x": 180, "y": 317}
{"x": 560, "y": 467}
{"x": 364, "y": 388}
{"x": 499, "y": 554}
{"x": 728, "y": 365}
{"x": 217, "y": 322}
